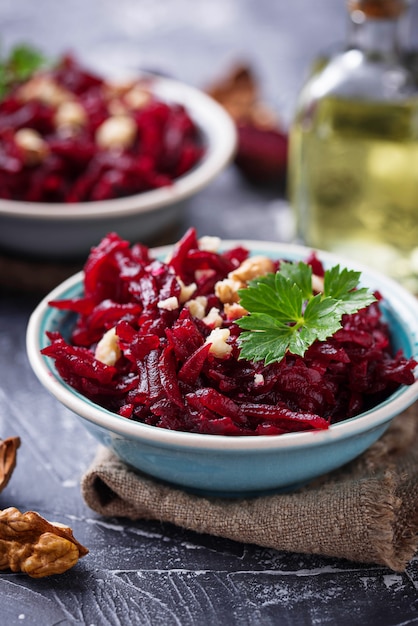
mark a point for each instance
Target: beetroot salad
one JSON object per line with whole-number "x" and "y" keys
{"x": 67, "y": 135}
{"x": 157, "y": 342}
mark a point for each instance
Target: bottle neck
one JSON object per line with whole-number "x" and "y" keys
{"x": 377, "y": 36}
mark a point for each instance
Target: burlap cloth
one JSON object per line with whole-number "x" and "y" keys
{"x": 365, "y": 512}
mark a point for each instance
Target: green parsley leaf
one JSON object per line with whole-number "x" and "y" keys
{"x": 284, "y": 314}
{"x": 22, "y": 62}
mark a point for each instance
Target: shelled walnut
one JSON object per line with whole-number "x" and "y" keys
{"x": 262, "y": 142}
{"x": 238, "y": 92}
{"x": 8, "y": 450}
{"x": 31, "y": 544}
{"x": 28, "y": 542}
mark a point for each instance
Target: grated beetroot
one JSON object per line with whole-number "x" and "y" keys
{"x": 166, "y": 374}
{"x": 66, "y": 163}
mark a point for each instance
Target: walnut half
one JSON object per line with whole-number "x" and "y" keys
{"x": 31, "y": 544}
{"x": 8, "y": 451}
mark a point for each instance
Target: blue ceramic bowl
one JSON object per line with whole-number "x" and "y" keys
{"x": 233, "y": 466}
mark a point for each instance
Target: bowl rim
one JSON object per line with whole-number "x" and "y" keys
{"x": 219, "y": 130}
{"x": 400, "y": 400}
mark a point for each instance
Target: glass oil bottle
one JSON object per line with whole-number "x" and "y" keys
{"x": 353, "y": 161}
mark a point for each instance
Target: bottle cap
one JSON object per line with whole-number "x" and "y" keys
{"x": 378, "y": 9}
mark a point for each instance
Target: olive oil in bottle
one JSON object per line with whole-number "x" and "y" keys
{"x": 353, "y": 161}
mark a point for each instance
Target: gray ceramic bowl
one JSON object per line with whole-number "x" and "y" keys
{"x": 233, "y": 466}
{"x": 65, "y": 231}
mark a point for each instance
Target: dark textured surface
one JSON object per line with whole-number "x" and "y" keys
{"x": 148, "y": 573}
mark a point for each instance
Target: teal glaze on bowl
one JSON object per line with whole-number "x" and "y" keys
{"x": 233, "y": 466}
{"x": 205, "y": 473}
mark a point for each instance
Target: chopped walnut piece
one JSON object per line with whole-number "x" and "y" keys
{"x": 197, "y": 306}
{"x": 108, "y": 350}
{"x": 70, "y": 115}
{"x": 186, "y": 291}
{"x": 116, "y": 132}
{"x": 209, "y": 243}
{"x": 238, "y": 93}
{"x": 317, "y": 283}
{"x": 227, "y": 289}
{"x": 45, "y": 89}
{"x": 8, "y": 453}
{"x": 218, "y": 342}
{"x": 137, "y": 97}
{"x": 118, "y": 89}
{"x": 213, "y": 318}
{"x": 251, "y": 268}
{"x": 34, "y": 546}
{"x": 169, "y": 304}
{"x": 33, "y": 147}
{"x": 234, "y": 311}
{"x": 128, "y": 96}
